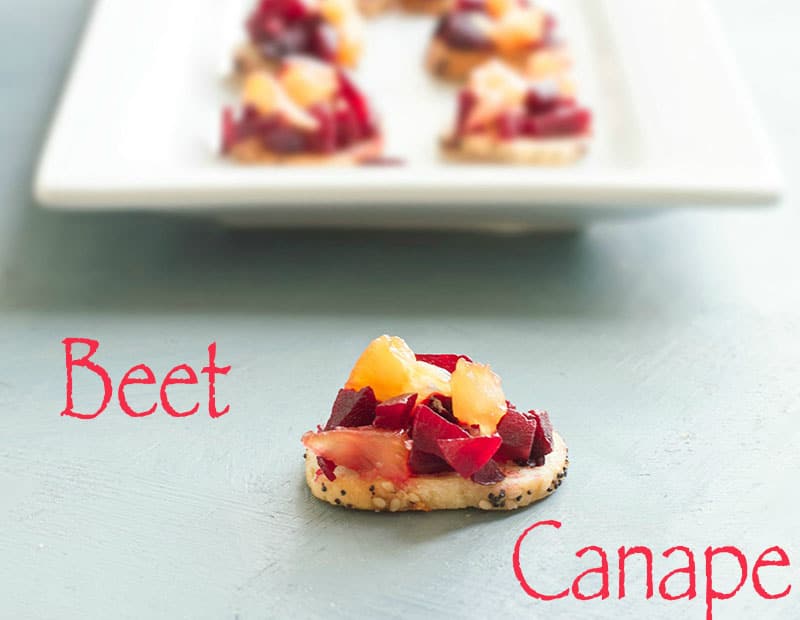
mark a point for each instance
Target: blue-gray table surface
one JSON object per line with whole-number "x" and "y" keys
{"x": 666, "y": 349}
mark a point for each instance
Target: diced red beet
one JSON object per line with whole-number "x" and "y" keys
{"x": 347, "y": 129}
{"x": 509, "y": 125}
{"x": 280, "y": 39}
{"x": 542, "y": 97}
{"x": 466, "y": 102}
{"x": 422, "y": 463}
{"x": 517, "y": 431}
{"x": 429, "y": 428}
{"x": 462, "y": 31}
{"x": 468, "y": 454}
{"x": 324, "y": 40}
{"x": 564, "y": 120}
{"x": 352, "y": 408}
{"x": 293, "y": 9}
{"x": 280, "y": 28}
{"x": 470, "y": 5}
{"x": 327, "y": 466}
{"x": 357, "y": 103}
{"x": 543, "y": 439}
{"x": 325, "y": 137}
{"x": 228, "y": 129}
{"x": 441, "y": 404}
{"x": 269, "y": 15}
{"x": 395, "y": 413}
{"x": 447, "y": 361}
{"x": 489, "y": 474}
{"x": 285, "y": 138}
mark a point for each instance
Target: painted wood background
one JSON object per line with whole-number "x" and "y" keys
{"x": 667, "y": 350}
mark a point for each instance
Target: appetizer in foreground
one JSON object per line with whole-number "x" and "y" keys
{"x": 330, "y": 30}
{"x": 474, "y": 31}
{"x": 503, "y": 117}
{"x": 308, "y": 113}
{"x": 430, "y": 432}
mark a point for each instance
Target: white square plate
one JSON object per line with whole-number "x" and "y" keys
{"x": 137, "y": 125}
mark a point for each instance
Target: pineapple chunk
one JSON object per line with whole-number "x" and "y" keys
{"x": 266, "y": 95}
{"x": 386, "y": 365}
{"x": 427, "y": 379}
{"x": 390, "y": 368}
{"x": 262, "y": 92}
{"x": 498, "y": 88}
{"x": 498, "y": 8}
{"x": 308, "y": 81}
{"x": 497, "y": 79}
{"x": 548, "y": 62}
{"x": 337, "y": 11}
{"x": 351, "y": 43}
{"x": 478, "y": 396}
{"x": 518, "y": 29}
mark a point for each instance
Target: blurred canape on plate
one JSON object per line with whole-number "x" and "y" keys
{"x": 306, "y": 112}
{"x": 330, "y": 30}
{"x": 506, "y": 117}
{"x": 515, "y": 31}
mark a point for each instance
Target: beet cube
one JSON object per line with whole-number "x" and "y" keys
{"x": 229, "y": 131}
{"x": 430, "y": 427}
{"x": 395, "y": 413}
{"x": 517, "y": 431}
{"x": 422, "y": 463}
{"x": 356, "y": 102}
{"x": 489, "y": 474}
{"x": 327, "y": 466}
{"x": 468, "y": 454}
{"x": 543, "y": 439}
{"x": 447, "y": 361}
{"x": 352, "y": 408}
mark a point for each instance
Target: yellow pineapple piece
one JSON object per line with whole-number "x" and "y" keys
{"x": 386, "y": 365}
{"x": 518, "y": 28}
{"x": 427, "y": 379}
{"x": 498, "y": 8}
{"x": 351, "y": 41}
{"x": 566, "y": 87}
{"x": 267, "y": 95}
{"x": 308, "y": 81}
{"x": 478, "y": 396}
{"x": 495, "y": 79}
{"x": 345, "y": 17}
{"x": 262, "y": 92}
{"x": 498, "y": 88}
{"x": 296, "y": 115}
{"x": 548, "y": 62}
{"x": 337, "y": 11}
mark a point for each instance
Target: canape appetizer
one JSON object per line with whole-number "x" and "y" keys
{"x": 473, "y": 31}
{"x": 503, "y": 117}
{"x": 307, "y": 113}
{"x": 430, "y": 432}
{"x": 330, "y": 30}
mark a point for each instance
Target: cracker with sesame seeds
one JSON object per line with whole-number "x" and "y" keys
{"x": 523, "y": 485}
